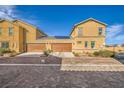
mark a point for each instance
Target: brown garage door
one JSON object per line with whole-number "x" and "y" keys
{"x": 36, "y": 47}
{"x": 63, "y": 47}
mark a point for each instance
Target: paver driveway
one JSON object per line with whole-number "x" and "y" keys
{"x": 51, "y": 76}
{"x": 91, "y": 64}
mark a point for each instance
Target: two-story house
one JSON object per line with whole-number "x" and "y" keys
{"x": 16, "y": 34}
{"x": 88, "y": 35}
{"x": 20, "y": 36}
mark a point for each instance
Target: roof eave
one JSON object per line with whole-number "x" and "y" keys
{"x": 90, "y": 19}
{"x": 86, "y": 21}
{"x": 31, "y": 26}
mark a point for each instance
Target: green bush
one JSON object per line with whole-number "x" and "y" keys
{"x": 90, "y": 55}
{"x": 76, "y": 54}
{"x": 3, "y": 51}
{"x": 6, "y": 51}
{"x": 47, "y": 52}
{"x": 104, "y": 53}
{"x": 96, "y": 53}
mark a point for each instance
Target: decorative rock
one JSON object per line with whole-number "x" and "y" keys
{"x": 42, "y": 60}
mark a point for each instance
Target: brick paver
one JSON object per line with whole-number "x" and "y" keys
{"x": 91, "y": 64}
{"x": 18, "y": 76}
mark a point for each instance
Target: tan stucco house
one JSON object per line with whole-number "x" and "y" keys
{"x": 86, "y": 36}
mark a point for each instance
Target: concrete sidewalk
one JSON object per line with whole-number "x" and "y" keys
{"x": 38, "y": 54}
{"x": 63, "y": 54}
{"x": 30, "y": 54}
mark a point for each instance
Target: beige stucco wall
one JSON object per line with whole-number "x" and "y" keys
{"x": 90, "y": 33}
{"x": 90, "y": 28}
{"x": 99, "y": 44}
{"x": 23, "y": 33}
{"x": 14, "y": 40}
{"x": 31, "y": 31}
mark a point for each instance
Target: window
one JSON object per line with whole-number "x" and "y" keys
{"x": 10, "y": 31}
{"x": 100, "y": 30}
{"x": 86, "y": 44}
{"x": 0, "y": 30}
{"x": 4, "y": 44}
{"x": 92, "y": 44}
{"x": 80, "y": 31}
{"x": 79, "y": 42}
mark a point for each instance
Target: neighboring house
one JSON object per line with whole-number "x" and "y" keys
{"x": 115, "y": 48}
{"x": 87, "y": 36}
{"x": 11, "y": 36}
{"x": 16, "y": 34}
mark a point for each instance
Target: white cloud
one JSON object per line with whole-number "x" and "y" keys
{"x": 115, "y": 33}
{"x": 7, "y": 12}
{"x": 114, "y": 30}
{"x": 10, "y": 12}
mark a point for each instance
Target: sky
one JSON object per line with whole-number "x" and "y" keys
{"x": 59, "y": 20}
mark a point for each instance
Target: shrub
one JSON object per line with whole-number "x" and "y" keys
{"x": 6, "y": 51}
{"x": 104, "y": 53}
{"x": 47, "y": 52}
{"x": 90, "y": 54}
{"x": 96, "y": 53}
{"x": 1, "y": 51}
{"x": 76, "y": 54}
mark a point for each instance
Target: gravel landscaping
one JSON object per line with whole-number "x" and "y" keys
{"x": 31, "y": 60}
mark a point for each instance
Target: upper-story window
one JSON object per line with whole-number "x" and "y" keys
{"x": 10, "y": 31}
{"x": 80, "y": 31}
{"x": 0, "y": 30}
{"x": 100, "y": 30}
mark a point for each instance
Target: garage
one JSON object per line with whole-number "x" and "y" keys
{"x": 61, "y": 47}
{"x": 36, "y": 47}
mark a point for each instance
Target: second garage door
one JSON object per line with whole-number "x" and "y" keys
{"x": 36, "y": 47}
{"x": 61, "y": 47}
